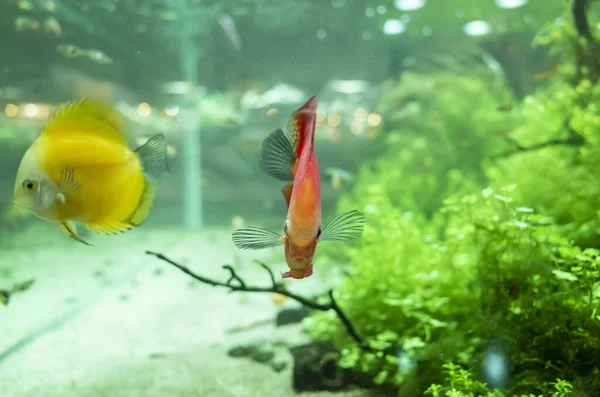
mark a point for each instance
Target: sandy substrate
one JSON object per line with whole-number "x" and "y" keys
{"x": 110, "y": 321}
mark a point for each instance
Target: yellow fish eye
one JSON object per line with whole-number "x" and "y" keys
{"x": 30, "y": 185}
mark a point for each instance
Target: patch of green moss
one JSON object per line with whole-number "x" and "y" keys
{"x": 459, "y": 382}
{"x": 495, "y": 239}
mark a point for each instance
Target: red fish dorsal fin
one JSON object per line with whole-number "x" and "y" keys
{"x": 281, "y": 150}
{"x": 302, "y": 126}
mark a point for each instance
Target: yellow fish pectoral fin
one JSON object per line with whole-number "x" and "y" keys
{"x": 69, "y": 229}
{"x": 143, "y": 209}
{"x": 68, "y": 184}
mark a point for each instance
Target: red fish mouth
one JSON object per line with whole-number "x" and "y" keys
{"x": 298, "y": 273}
{"x": 300, "y": 260}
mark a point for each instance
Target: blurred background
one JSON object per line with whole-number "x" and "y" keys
{"x": 223, "y": 75}
{"x": 419, "y": 101}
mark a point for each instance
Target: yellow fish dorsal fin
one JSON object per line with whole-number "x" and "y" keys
{"x": 108, "y": 120}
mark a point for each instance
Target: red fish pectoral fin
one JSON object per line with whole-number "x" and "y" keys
{"x": 286, "y": 275}
{"x": 287, "y": 193}
{"x": 344, "y": 228}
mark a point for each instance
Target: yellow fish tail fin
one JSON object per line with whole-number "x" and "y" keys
{"x": 143, "y": 209}
{"x": 153, "y": 156}
{"x": 89, "y": 110}
{"x": 69, "y": 229}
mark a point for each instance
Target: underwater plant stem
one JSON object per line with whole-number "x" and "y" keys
{"x": 574, "y": 140}
{"x": 579, "y": 10}
{"x": 236, "y": 283}
{"x": 585, "y": 56}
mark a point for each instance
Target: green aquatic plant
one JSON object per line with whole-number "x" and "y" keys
{"x": 459, "y": 382}
{"x": 493, "y": 244}
{"x": 440, "y": 128}
{"x": 554, "y": 155}
{"x": 501, "y": 272}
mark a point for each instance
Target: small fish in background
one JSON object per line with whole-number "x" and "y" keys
{"x": 505, "y": 108}
{"x": 27, "y": 24}
{"x": 98, "y": 56}
{"x": 339, "y": 177}
{"x": 503, "y": 133}
{"x": 551, "y": 71}
{"x": 5, "y": 295}
{"x": 52, "y": 26}
{"x": 70, "y": 50}
{"x": 511, "y": 46}
{"x": 73, "y": 51}
{"x": 290, "y": 156}
{"x": 80, "y": 169}
{"x": 228, "y": 26}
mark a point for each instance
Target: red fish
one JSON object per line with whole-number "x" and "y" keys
{"x": 290, "y": 156}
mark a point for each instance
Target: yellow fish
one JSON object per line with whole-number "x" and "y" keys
{"x": 81, "y": 169}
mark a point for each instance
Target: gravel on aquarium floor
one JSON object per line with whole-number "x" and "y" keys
{"x": 109, "y": 320}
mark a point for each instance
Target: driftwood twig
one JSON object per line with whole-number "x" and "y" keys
{"x": 236, "y": 283}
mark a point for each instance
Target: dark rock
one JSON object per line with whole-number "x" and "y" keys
{"x": 261, "y": 352}
{"x": 262, "y": 356}
{"x": 240, "y": 351}
{"x": 278, "y": 366}
{"x": 316, "y": 369}
{"x": 291, "y": 316}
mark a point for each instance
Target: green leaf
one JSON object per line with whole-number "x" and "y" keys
{"x": 413, "y": 343}
{"x": 564, "y": 275}
{"x": 381, "y": 377}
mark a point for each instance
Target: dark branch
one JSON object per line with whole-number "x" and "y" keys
{"x": 586, "y": 55}
{"x": 579, "y": 10}
{"x": 515, "y": 147}
{"x": 240, "y": 285}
